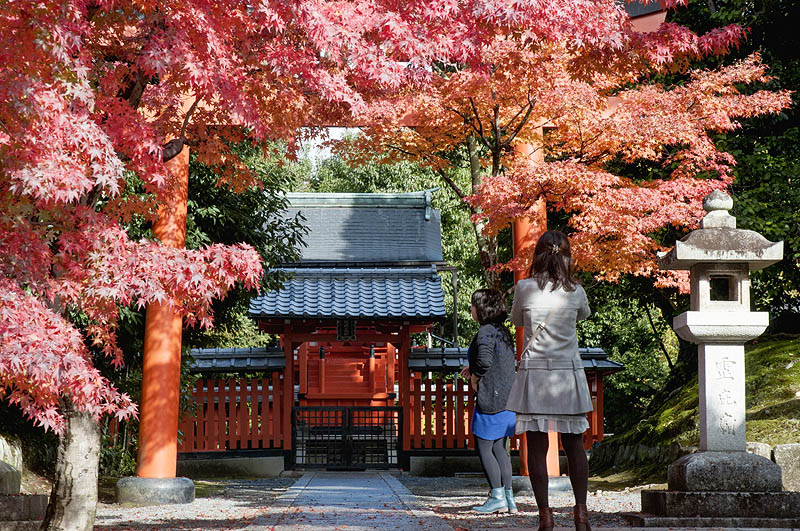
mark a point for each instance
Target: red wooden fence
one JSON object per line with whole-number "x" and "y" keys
{"x": 234, "y": 414}
{"x": 441, "y": 414}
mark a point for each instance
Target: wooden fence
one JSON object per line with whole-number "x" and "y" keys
{"x": 235, "y": 414}
{"x": 243, "y": 414}
{"x": 442, "y": 409}
{"x": 441, "y": 414}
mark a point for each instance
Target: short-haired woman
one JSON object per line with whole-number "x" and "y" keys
{"x": 550, "y": 392}
{"x": 491, "y": 370}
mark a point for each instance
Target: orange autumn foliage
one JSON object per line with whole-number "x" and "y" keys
{"x": 598, "y": 110}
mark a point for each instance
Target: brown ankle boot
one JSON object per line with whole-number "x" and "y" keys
{"x": 582, "y": 518}
{"x": 546, "y": 519}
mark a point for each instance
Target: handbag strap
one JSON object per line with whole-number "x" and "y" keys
{"x": 541, "y": 326}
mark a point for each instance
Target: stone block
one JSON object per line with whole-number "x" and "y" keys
{"x": 10, "y": 479}
{"x": 721, "y": 504}
{"x": 433, "y": 466}
{"x": 23, "y": 507}
{"x": 724, "y": 472}
{"x": 154, "y": 491}
{"x": 787, "y": 456}
{"x": 11, "y": 451}
{"x": 20, "y": 525}
{"x": 261, "y": 467}
{"x": 762, "y": 449}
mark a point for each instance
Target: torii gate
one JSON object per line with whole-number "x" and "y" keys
{"x": 158, "y": 421}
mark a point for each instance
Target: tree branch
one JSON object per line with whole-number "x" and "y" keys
{"x": 460, "y": 193}
{"x": 522, "y": 123}
{"x": 175, "y": 146}
{"x": 658, "y": 336}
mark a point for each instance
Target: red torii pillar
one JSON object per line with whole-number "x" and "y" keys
{"x": 526, "y": 232}
{"x": 158, "y": 420}
{"x": 158, "y": 414}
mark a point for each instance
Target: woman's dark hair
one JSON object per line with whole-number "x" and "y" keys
{"x": 552, "y": 261}
{"x": 489, "y": 306}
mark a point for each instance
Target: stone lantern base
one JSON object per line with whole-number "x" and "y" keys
{"x": 720, "y": 489}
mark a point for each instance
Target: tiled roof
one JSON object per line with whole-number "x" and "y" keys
{"x": 433, "y": 359}
{"x": 237, "y": 359}
{"x": 368, "y": 228}
{"x": 637, "y": 9}
{"x": 347, "y": 293}
{"x": 208, "y": 360}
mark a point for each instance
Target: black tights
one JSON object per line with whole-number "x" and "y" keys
{"x": 537, "y": 465}
{"x": 495, "y": 461}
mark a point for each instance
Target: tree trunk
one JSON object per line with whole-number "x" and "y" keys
{"x": 487, "y": 250}
{"x": 487, "y": 245}
{"x": 73, "y": 501}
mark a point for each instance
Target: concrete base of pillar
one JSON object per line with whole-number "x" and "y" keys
{"x": 247, "y": 467}
{"x": 522, "y": 485}
{"x": 154, "y": 491}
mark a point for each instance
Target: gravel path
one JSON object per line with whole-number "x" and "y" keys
{"x": 452, "y": 498}
{"x": 322, "y": 501}
{"x": 239, "y": 504}
{"x": 252, "y": 504}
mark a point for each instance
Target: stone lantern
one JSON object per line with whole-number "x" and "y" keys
{"x": 722, "y": 484}
{"x": 719, "y": 258}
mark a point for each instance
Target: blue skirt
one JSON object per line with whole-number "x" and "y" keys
{"x": 494, "y": 426}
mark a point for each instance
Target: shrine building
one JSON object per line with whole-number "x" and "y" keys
{"x": 347, "y": 387}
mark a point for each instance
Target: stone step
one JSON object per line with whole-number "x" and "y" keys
{"x": 648, "y": 520}
{"x": 681, "y": 504}
{"x": 20, "y": 525}
{"x": 23, "y": 507}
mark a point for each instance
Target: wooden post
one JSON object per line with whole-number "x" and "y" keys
{"x": 372, "y": 369}
{"x": 599, "y": 415}
{"x": 322, "y": 370}
{"x": 405, "y": 385}
{"x": 158, "y": 419}
{"x": 288, "y": 388}
{"x": 302, "y": 362}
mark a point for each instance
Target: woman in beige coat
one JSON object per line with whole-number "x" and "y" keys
{"x": 550, "y": 392}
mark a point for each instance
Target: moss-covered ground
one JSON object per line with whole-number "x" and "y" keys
{"x": 772, "y": 380}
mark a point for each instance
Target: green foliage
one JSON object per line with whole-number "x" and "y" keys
{"x": 767, "y": 188}
{"x": 620, "y": 326}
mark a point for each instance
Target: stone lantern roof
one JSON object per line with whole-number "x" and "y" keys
{"x": 719, "y": 241}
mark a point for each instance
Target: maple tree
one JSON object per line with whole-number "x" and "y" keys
{"x": 587, "y": 109}
{"x": 101, "y": 88}
{"x": 91, "y": 91}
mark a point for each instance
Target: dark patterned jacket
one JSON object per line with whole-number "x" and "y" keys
{"x": 492, "y": 358}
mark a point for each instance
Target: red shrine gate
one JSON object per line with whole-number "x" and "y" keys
{"x": 346, "y": 389}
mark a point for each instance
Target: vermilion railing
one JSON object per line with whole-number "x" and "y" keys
{"x": 239, "y": 414}
{"x": 441, "y": 414}
{"x": 442, "y": 409}
{"x": 235, "y": 414}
